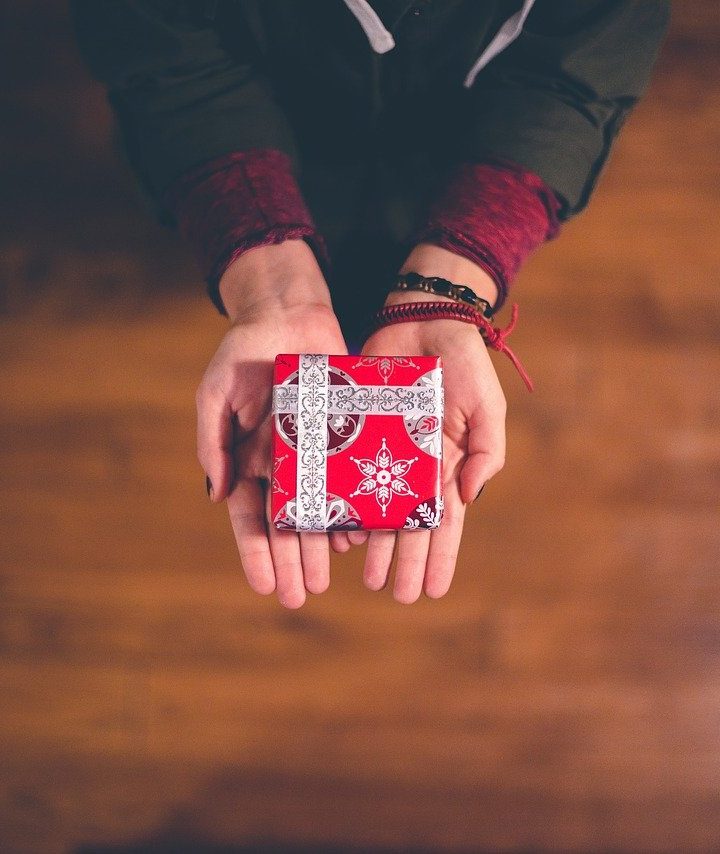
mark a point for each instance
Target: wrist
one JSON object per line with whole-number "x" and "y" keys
{"x": 426, "y": 333}
{"x": 429, "y": 260}
{"x": 274, "y": 278}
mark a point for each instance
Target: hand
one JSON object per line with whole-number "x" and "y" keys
{"x": 474, "y": 431}
{"x": 278, "y": 302}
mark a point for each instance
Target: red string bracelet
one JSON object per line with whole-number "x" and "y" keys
{"x": 408, "y": 312}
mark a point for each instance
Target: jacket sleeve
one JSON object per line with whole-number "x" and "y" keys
{"x": 555, "y": 99}
{"x": 495, "y": 214}
{"x": 237, "y": 202}
{"x": 180, "y": 98}
{"x": 208, "y": 142}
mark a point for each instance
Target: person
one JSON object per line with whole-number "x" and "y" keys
{"x": 311, "y": 152}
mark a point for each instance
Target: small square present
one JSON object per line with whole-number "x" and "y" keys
{"x": 357, "y": 442}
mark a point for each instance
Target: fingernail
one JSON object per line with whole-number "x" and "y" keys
{"x": 209, "y": 487}
{"x": 479, "y": 493}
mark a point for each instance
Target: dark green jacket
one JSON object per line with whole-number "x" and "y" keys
{"x": 193, "y": 80}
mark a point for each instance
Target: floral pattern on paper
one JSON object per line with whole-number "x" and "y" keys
{"x": 383, "y": 477}
{"x": 340, "y": 515}
{"x": 425, "y": 430}
{"x": 426, "y": 515}
{"x": 275, "y": 482}
{"x": 385, "y": 364}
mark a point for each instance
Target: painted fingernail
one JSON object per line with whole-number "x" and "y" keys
{"x": 479, "y": 493}
{"x": 209, "y": 487}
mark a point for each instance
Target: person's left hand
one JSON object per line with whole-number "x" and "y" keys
{"x": 473, "y": 442}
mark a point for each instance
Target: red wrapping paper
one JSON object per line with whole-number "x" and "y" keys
{"x": 357, "y": 442}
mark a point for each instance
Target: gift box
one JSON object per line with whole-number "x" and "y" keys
{"x": 357, "y": 442}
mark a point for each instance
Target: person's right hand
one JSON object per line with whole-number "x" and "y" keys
{"x": 278, "y": 302}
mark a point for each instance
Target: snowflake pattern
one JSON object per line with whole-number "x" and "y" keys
{"x": 384, "y": 477}
{"x": 385, "y": 364}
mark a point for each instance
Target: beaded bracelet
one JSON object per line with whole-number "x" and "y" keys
{"x": 443, "y": 288}
{"x": 409, "y": 312}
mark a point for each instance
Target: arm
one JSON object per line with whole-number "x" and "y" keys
{"x": 541, "y": 121}
{"x": 183, "y": 105}
{"x": 210, "y": 146}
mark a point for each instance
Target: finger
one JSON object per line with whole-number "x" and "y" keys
{"x": 486, "y": 450}
{"x": 444, "y": 545}
{"x": 357, "y": 538}
{"x": 245, "y": 506}
{"x": 339, "y": 542}
{"x": 215, "y": 440}
{"x": 253, "y": 452}
{"x": 285, "y": 551}
{"x": 381, "y": 545}
{"x": 315, "y": 556}
{"x": 411, "y": 562}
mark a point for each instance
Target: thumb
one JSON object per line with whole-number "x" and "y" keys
{"x": 486, "y": 454}
{"x": 473, "y": 477}
{"x": 215, "y": 442}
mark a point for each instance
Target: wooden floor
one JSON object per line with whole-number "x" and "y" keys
{"x": 564, "y": 696}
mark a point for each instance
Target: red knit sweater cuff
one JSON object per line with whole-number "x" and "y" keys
{"x": 237, "y": 202}
{"x": 493, "y": 213}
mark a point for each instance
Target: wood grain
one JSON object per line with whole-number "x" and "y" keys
{"x": 564, "y": 696}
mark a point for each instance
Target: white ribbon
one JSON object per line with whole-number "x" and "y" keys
{"x": 312, "y": 442}
{"x": 408, "y": 401}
